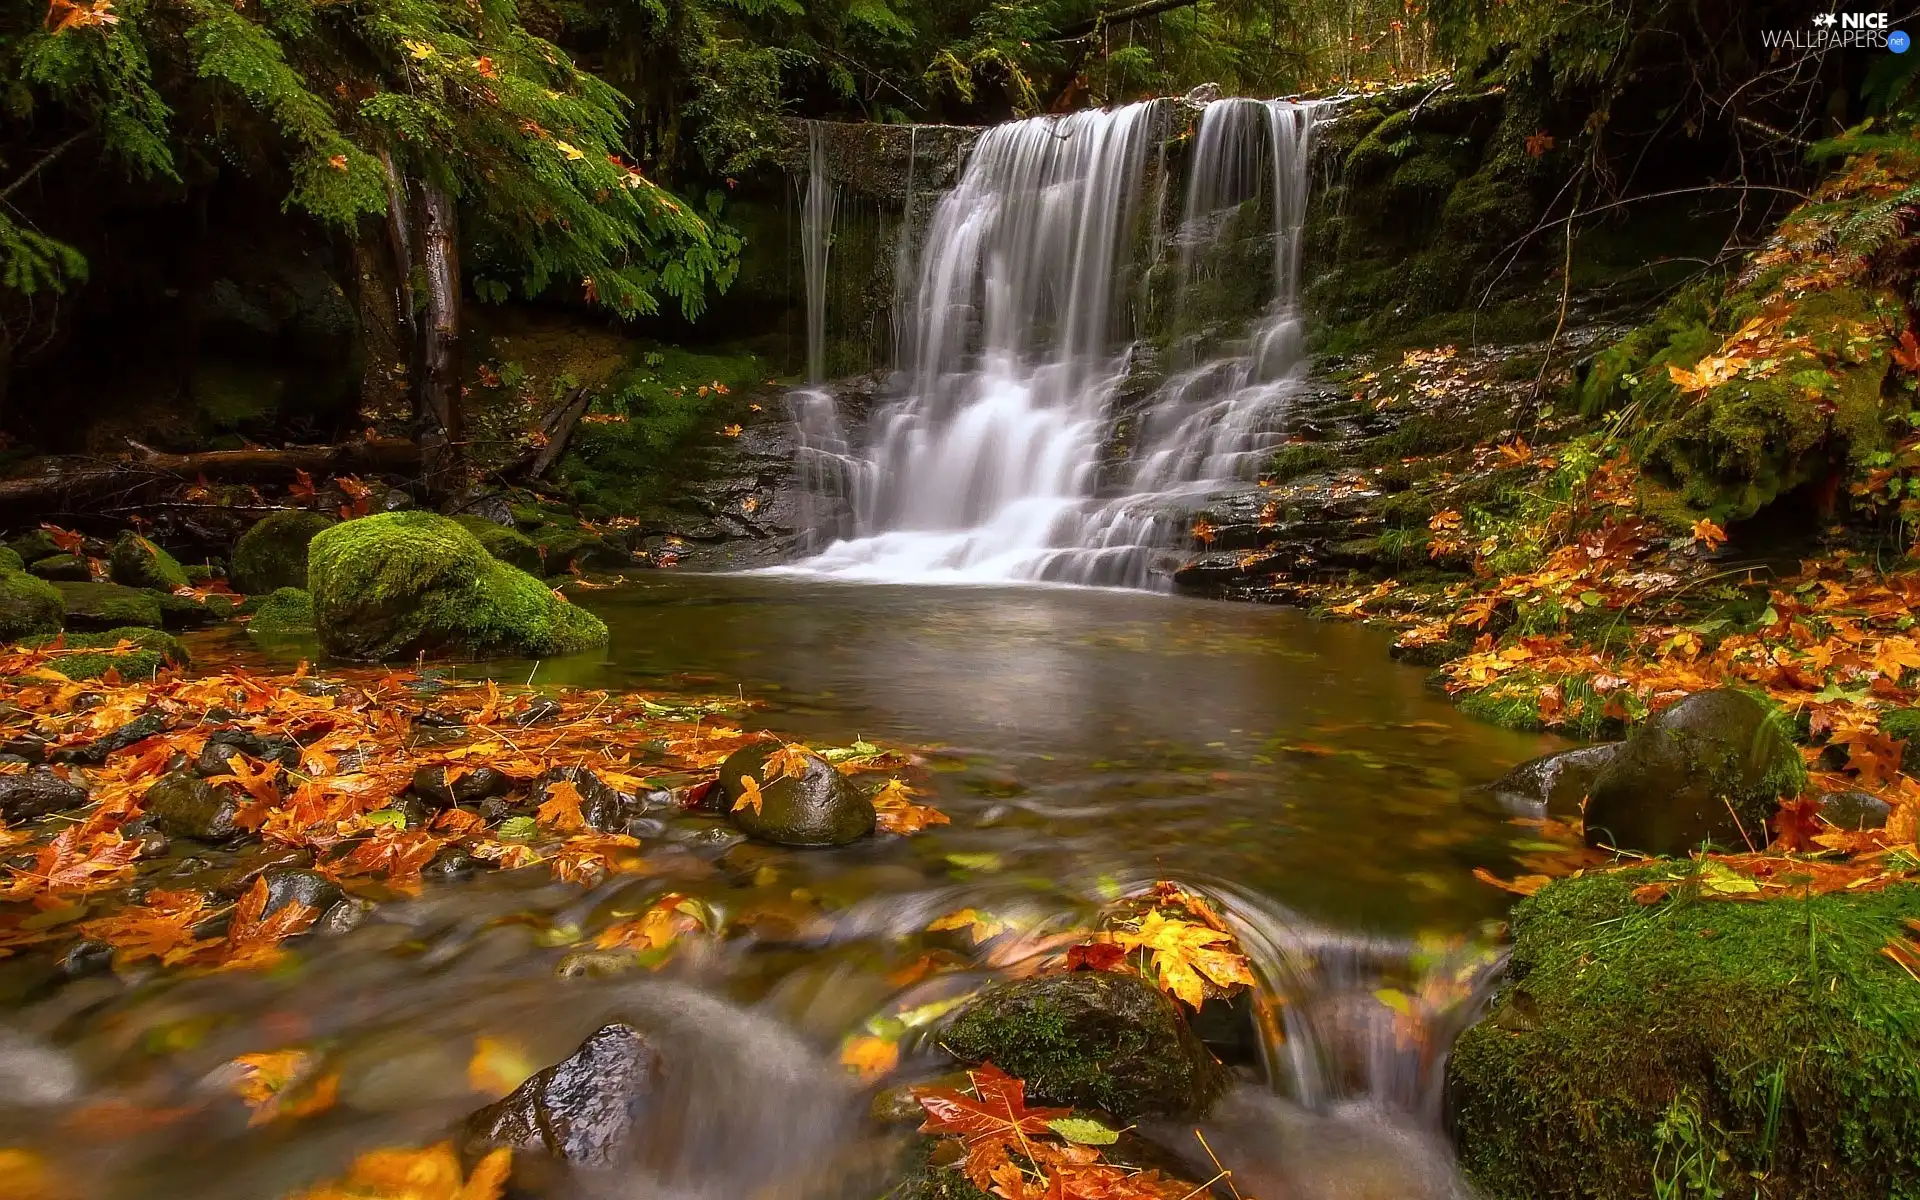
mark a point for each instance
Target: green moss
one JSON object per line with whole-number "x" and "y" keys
{"x": 287, "y": 612}
{"x": 1513, "y": 702}
{"x": 1903, "y": 725}
{"x": 560, "y": 549}
{"x": 510, "y": 546}
{"x": 136, "y": 562}
{"x": 400, "y": 583}
{"x": 10, "y": 560}
{"x": 100, "y": 606}
{"x": 35, "y": 544}
{"x": 71, "y": 568}
{"x": 1780, "y": 1026}
{"x": 1291, "y": 462}
{"x": 146, "y": 651}
{"x": 28, "y": 605}
{"x": 273, "y": 553}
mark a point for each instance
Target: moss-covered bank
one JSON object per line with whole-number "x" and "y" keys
{"x": 1695, "y": 1048}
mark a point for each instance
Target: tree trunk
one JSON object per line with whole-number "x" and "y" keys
{"x": 436, "y": 370}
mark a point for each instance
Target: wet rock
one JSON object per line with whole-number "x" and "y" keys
{"x": 816, "y": 808}
{"x": 414, "y": 811}
{"x": 1555, "y": 783}
{"x": 343, "y": 916}
{"x": 470, "y": 787}
{"x": 223, "y": 744}
{"x": 543, "y": 709}
{"x": 88, "y": 956}
{"x": 137, "y": 730}
{"x": 1090, "y": 1038}
{"x": 1855, "y": 811}
{"x": 27, "y": 749}
{"x": 253, "y": 863}
{"x": 35, "y": 793}
{"x": 137, "y": 562}
{"x": 452, "y": 862}
{"x": 1711, "y": 768}
{"x": 184, "y": 805}
{"x": 581, "y": 1110}
{"x": 298, "y": 885}
{"x": 604, "y": 808}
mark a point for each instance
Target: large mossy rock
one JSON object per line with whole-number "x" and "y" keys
{"x": 137, "y": 562}
{"x": 102, "y": 606}
{"x": 510, "y": 546}
{"x": 134, "y": 652}
{"x": 817, "y": 807}
{"x": 1772, "y": 1042}
{"x": 1711, "y": 768}
{"x": 1091, "y": 1039}
{"x": 401, "y": 583}
{"x": 28, "y": 605}
{"x": 273, "y": 554}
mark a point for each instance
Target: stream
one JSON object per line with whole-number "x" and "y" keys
{"x": 1083, "y": 742}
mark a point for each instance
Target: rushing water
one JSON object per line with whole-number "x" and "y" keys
{"x": 988, "y": 464}
{"x": 1084, "y": 743}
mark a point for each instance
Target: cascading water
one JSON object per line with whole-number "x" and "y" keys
{"x": 989, "y": 466}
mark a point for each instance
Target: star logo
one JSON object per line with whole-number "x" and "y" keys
{"x": 1826, "y": 19}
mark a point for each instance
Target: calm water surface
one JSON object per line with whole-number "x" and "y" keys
{"x": 1083, "y": 742}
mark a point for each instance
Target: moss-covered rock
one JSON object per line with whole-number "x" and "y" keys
{"x": 273, "y": 554}
{"x": 816, "y": 807}
{"x": 62, "y": 568}
{"x": 1770, "y": 1044}
{"x": 10, "y": 560}
{"x": 28, "y": 605}
{"x": 99, "y": 606}
{"x": 569, "y": 548}
{"x": 1091, "y": 1039}
{"x": 1711, "y": 768}
{"x": 135, "y": 652}
{"x": 288, "y": 612}
{"x": 136, "y": 562}
{"x": 510, "y": 546}
{"x": 400, "y": 583}
{"x": 34, "y": 544}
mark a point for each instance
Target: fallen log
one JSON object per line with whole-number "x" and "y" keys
{"x": 84, "y": 484}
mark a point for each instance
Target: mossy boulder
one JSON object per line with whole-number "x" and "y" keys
{"x": 816, "y": 807}
{"x": 510, "y": 546}
{"x": 144, "y": 652}
{"x": 10, "y": 560}
{"x": 1709, "y": 769}
{"x": 28, "y": 605}
{"x": 62, "y": 568}
{"x": 273, "y": 553}
{"x": 34, "y": 544}
{"x": 101, "y": 606}
{"x": 1772, "y": 1044}
{"x": 1094, "y": 1039}
{"x": 287, "y": 612}
{"x": 407, "y": 582}
{"x": 136, "y": 562}
{"x": 565, "y": 549}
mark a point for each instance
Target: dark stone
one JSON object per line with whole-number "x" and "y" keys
{"x": 26, "y": 749}
{"x": 1711, "y": 768}
{"x": 412, "y": 809}
{"x": 88, "y": 956}
{"x": 256, "y": 862}
{"x": 137, "y": 730}
{"x": 430, "y": 784}
{"x": 817, "y": 808}
{"x": 603, "y": 808}
{"x": 1092, "y": 1039}
{"x": 36, "y": 793}
{"x": 223, "y": 744}
{"x": 543, "y": 709}
{"x": 581, "y": 1110}
{"x": 1855, "y": 811}
{"x": 495, "y": 809}
{"x": 184, "y": 805}
{"x": 297, "y": 885}
{"x": 452, "y": 862}
{"x": 1556, "y": 783}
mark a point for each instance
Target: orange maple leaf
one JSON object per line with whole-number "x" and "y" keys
{"x": 562, "y": 807}
{"x": 991, "y": 1123}
{"x": 750, "y": 796}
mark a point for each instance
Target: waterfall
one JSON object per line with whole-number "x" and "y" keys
{"x": 993, "y": 460}
{"x": 816, "y": 243}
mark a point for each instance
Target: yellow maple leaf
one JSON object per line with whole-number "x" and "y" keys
{"x": 750, "y": 796}
{"x": 787, "y": 760}
{"x": 981, "y": 926}
{"x": 870, "y": 1057}
{"x": 562, "y": 807}
{"x": 568, "y": 150}
{"x": 1706, "y": 531}
{"x": 1183, "y": 953}
{"x": 731, "y": 430}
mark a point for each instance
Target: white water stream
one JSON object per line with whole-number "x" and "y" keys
{"x": 986, "y": 464}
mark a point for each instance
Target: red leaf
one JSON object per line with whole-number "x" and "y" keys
{"x": 1095, "y": 956}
